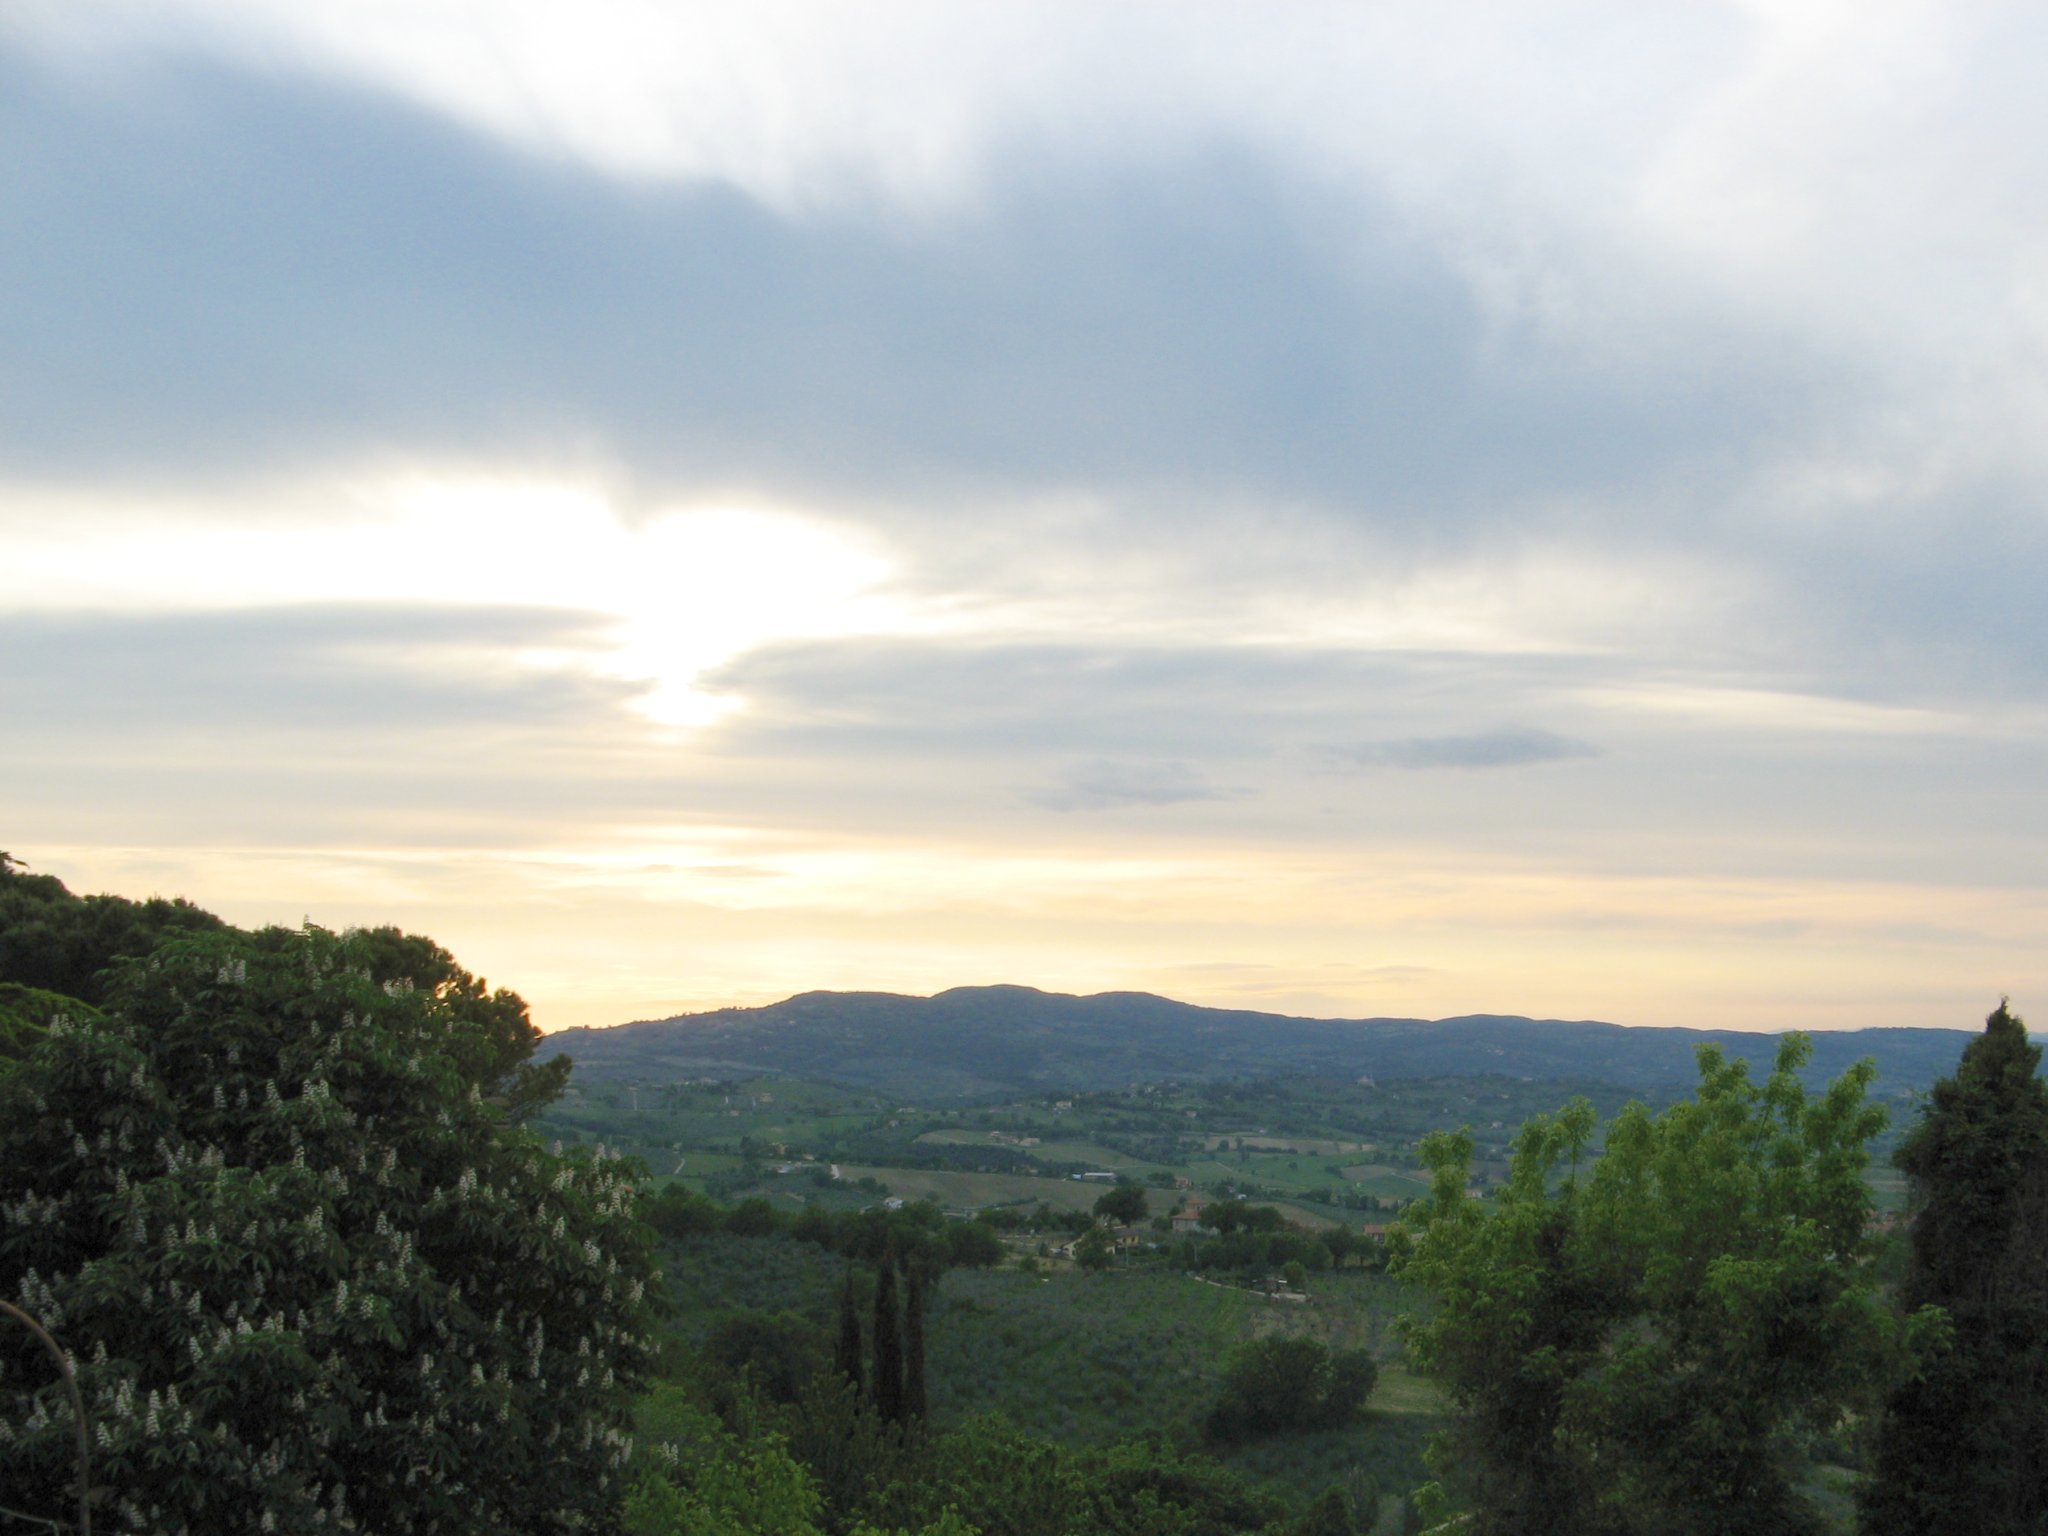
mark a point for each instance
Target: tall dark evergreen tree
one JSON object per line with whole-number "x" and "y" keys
{"x": 888, "y": 1377}
{"x": 846, "y": 1355}
{"x": 1964, "y": 1446}
{"x": 914, "y": 1404}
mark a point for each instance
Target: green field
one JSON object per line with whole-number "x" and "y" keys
{"x": 1324, "y": 1151}
{"x": 979, "y": 1191}
{"x": 1047, "y": 1151}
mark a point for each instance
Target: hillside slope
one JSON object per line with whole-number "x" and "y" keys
{"x": 1008, "y": 1039}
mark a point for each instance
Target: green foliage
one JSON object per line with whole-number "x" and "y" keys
{"x": 1083, "y": 1360}
{"x": 1125, "y": 1204}
{"x": 848, "y": 1450}
{"x": 307, "y": 1272}
{"x": 701, "y": 1478}
{"x": 1228, "y": 1216}
{"x": 698, "y": 1479}
{"x": 778, "y": 1352}
{"x": 1961, "y": 1444}
{"x": 752, "y": 1218}
{"x": 973, "y": 1245}
{"x": 25, "y": 1013}
{"x": 1006, "y": 1483}
{"x": 1639, "y": 1348}
{"x": 1330, "y": 1515}
{"x": 713, "y": 1275}
{"x": 849, "y": 1350}
{"x": 885, "y": 1378}
{"x": 1280, "y": 1383}
{"x": 1091, "y": 1249}
{"x": 490, "y": 1037}
{"x": 1257, "y": 1238}
{"x": 918, "y": 1234}
{"x": 675, "y": 1212}
{"x": 916, "y": 1404}
{"x": 53, "y": 941}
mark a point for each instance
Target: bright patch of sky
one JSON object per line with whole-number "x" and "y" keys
{"x": 1351, "y": 508}
{"x": 682, "y": 592}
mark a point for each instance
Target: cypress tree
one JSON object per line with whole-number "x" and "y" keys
{"x": 888, "y": 1378}
{"x": 846, "y": 1355}
{"x": 1961, "y": 1446}
{"x": 914, "y": 1405}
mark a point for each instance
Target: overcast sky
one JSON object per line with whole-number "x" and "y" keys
{"x": 1345, "y": 509}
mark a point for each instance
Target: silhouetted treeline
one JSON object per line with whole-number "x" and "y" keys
{"x": 918, "y": 1231}
{"x": 57, "y": 942}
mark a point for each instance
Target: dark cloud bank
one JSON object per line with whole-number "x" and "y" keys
{"x": 208, "y": 271}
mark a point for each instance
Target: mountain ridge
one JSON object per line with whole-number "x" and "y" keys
{"x": 1007, "y": 1038}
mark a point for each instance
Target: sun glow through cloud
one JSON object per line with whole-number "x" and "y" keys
{"x": 680, "y": 590}
{"x": 1374, "y": 508}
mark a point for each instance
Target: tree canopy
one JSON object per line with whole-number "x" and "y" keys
{"x": 1124, "y": 1204}
{"x": 55, "y": 942}
{"x": 311, "y": 1278}
{"x": 1638, "y": 1346}
{"x": 1961, "y": 1446}
{"x": 1281, "y": 1383}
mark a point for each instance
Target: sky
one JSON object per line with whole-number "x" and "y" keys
{"x": 1352, "y": 509}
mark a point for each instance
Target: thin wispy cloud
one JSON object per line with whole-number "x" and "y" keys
{"x": 1505, "y": 747}
{"x": 1103, "y": 785}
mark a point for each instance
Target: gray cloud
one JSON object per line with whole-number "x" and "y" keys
{"x": 1506, "y": 747}
{"x": 345, "y": 669}
{"x": 1106, "y": 785}
{"x": 1203, "y": 703}
{"x": 208, "y": 272}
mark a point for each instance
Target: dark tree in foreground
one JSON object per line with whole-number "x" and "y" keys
{"x": 1964, "y": 1446}
{"x": 887, "y": 1389}
{"x": 849, "y": 1349}
{"x": 915, "y": 1408}
{"x": 311, "y": 1279}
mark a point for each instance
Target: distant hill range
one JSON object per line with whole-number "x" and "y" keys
{"x": 1006, "y": 1040}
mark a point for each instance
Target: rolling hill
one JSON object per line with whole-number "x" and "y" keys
{"x": 1008, "y": 1040}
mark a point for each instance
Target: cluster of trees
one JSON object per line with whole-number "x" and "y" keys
{"x": 60, "y": 954}
{"x": 1260, "y": 1237}
{"x": 1655, "y": 1341}
{"x": 54, "y": 942}
{"x": 891, "y": 1376}
{"x": 1636, "y": 1346}
{"x": 1125, "y": 1205}
{"x": 1280, "y": 1383}
{"x": 918, "y": 1231}
{"x": 272, "y": 1193}
{"x": 824, "y": 1466}
{"x": 310, "y": 1276}
{"x": 1247, "y": 1236}
{"x": 269, "y": 1192}
{"x": 777, "y": 1424}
